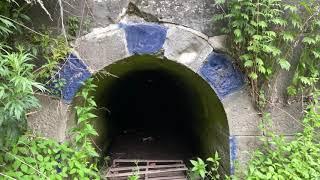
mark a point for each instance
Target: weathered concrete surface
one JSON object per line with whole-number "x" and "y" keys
{"x": 106, "y": 12}
{"x": 186, "y": 47}
{"x": 285, "y": 112}
{"x": 242, "y": 117}
{"x": 51, "y": 119}
{"x": 102, "y": 47}
{"x": 219, "y": 43}
{"x": 286, "y": 119}
{"x": 132, "y": 19}
{"x": 243, "y": 148}
{"x": 195, "y": 14}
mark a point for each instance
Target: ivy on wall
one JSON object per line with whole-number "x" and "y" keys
{"x": 265, "y": 34}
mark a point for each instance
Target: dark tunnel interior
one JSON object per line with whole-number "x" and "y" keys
{"x": 151, "y": 108}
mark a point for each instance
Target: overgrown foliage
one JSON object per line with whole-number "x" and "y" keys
{"x": 27, "y": 156}
{"x": 278, "y": 158}
{"x": 303, "y": 34}
{"x": 17, "y": 85}
{"x": 282, "y": 159}
{"x": 53, "y": 50}
{"x": 11, "y": 17}
{"x": 206, "y": 169}
{"x": 265, "y": 34}
{"x": 77, "y": 26}
{"x": 84, "y": 129}
{"x": 18, "y": 80}
{"x": 35, "y": 157}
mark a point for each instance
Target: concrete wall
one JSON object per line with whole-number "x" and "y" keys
{"x": 179, "y": 30}
{"x": 106, "y": 46}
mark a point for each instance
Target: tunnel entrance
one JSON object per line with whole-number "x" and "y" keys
{"x": 151, "y": 108}
{"x": 152, "y": 112}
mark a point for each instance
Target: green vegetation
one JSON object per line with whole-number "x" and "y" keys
{"x": 53, "y": 50}
{"x": 16, "y": 94}
{"x": 41, "y": 158}
{"x": 206, "y": 170}
{"x": 282, "y": 159}
{"x": 35, "y": 157}
{"x": 24, "y": 155}
{"x": 135, "y": 174}
{"x": 265, "y": 34}
{"x": 278, "y": 157}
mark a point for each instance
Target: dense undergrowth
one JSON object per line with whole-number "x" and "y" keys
{"x": 264, "y": 34}
{"x": 28, "y": 61}
{"x": 278, "y": 158}
{"x": 267, "y": 35}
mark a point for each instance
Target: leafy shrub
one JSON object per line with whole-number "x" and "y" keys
{"x": 206, "y": 170}
{"x": 41, "y": 158}
{"x": 281, "y": 158}
{"x": 253, "y": 27}
{"x": 17, "y": 84}
{"x": 29, "y": 156}
{"x": 266, "y": 34}
{"x": 53, "y": 50}
{"x": 84, "y": 129}
{"x": 11, "y": 15}
{"x": 304, "y": 28}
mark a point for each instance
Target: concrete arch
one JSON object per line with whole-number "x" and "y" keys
{"x": 182, "y": 104}
{"x": 191, "y": 49}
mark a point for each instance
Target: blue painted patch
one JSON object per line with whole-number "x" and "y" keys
{"x": 144, "y": 38}
{"x": 233, "y": 152}
{"x": 220, "y": 73}
{"x": 73, "y": 72}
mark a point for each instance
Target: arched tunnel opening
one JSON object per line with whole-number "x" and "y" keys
{"x": 152, "y": 108}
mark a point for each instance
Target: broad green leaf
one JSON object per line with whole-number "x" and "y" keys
{"x": 284, "y": 64}
{"x": 248, "y": 63}
{"x": 24, "y": 168}
{"x": 288, "y": 37}
{"x": 253, "y": 75}
{"x": 40, "y": 157}
{"x": 194, "y": 163}
{"x": 237, "y": 33}
{"x": 309, "y": 41}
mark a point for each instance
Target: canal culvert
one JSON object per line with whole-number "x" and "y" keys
{"x": 152, "y": 108}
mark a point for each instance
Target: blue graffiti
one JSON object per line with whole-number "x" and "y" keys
{"x": 144, "y": 38}
{"x": 74, "y": 72}
{"x": 220, "y": 73}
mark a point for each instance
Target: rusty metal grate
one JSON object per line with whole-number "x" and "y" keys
{"x": 121, "y": 169}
